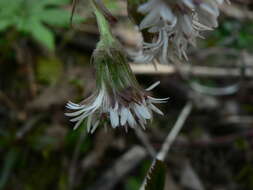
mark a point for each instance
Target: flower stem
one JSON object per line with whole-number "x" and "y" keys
{"x": 103, "y": 25}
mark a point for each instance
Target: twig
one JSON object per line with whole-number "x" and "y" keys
{"x": 171, "y": 137}
{"x": 121, "y": 167}
{"x": 189, "y": 178}
{"x": 201, "y": 71}
{"x": 174, "y": 132}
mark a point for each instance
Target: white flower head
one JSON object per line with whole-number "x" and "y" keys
{"x": 175, "y": 24}
{"x": 118, "y": 100}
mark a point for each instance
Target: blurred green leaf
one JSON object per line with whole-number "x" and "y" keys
{"x": 245, "y": 176}
{"x": 52, "y": 2}
{"x": 156, "y": 176}
{"x": 133, "y": 184}
{"x": 4, "y": 24}
{"x": 232, "y": 33}
{"x": 56, "y": 17}
{"x": 242, "y": 144}
{"x": 9, "y": 7}
{"x": 111, "y": 4}
{"x": 8, "y": 166}
{"x": 29, "y": 16}
{"x": 43, "y": 35}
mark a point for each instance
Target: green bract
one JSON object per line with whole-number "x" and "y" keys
{"x": 112, "y": 68}
{"x": 110, "y": 59}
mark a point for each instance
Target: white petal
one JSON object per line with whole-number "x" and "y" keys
{"x": 130, "y": 119}
{"x": 200, "y": 26}
{"x": 211, "y": 10}
{"x": 97, "y": 103}
{"x": 138, "y": 114}
{"x": 167, "y": 14}
{"x": 114, "y": 117}
{"x": 89, "y": 123}
{"x": 81, "y": 117}
{"x": 157, "y": 100}
{"x": 75, "y": 113}
{"x": 94, "y": 127}
{"x": 141, "y": 109}
{"x": 116, "y": 106}
{"x": 150, "y": 20}
{"x": 187, "y": 25}
{"x": 141, "y": 120}
{"x": 143, "y": 125}
{"x": 77, "y": 124}
{"x": 146, "y": 7}
{"x": 123, "y": 116}
{"x": 73, "y": 106}
{"x": 155, "y": 109}
{"x": 153, "y": 86}
{"x": 189, "y": 3}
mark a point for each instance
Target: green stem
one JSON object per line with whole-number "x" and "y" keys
{"x": 103, "y": 25}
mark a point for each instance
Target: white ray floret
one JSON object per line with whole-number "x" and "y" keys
{"x": 101, "y": 109}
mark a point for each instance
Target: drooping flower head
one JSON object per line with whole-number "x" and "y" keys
{"x": 174, "y": 24}
{"x": 118, "y": 100}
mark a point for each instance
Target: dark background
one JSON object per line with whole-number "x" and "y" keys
{"x": 44, "y": 63}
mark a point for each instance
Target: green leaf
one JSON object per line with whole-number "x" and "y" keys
{"x": 53, "y": 2}
{"x": 25, "y": 24}
{"x": 8, "y": 13}
{"x": 56, "y": 17}
{"x": 9, "y": 7}
{"x": 43, "y": 35}
{"x": 28, "y": 16}
{"x": 156, "y": 176}
{"x": 4, "y": 24}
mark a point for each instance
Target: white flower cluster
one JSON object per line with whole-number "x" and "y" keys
{"x": 128, "y": 109}
{"x": 175, "y": 24}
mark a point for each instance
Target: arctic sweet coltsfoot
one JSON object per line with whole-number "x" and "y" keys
{"x": 174, "y": 25}
{"x": 118, "y": 100}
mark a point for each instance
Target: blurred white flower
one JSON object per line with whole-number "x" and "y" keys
{"x": 175, "y": 24}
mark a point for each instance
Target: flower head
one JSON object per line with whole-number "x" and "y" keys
{"x": 118, "y": 100}
{"x": 175, "y": 25}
